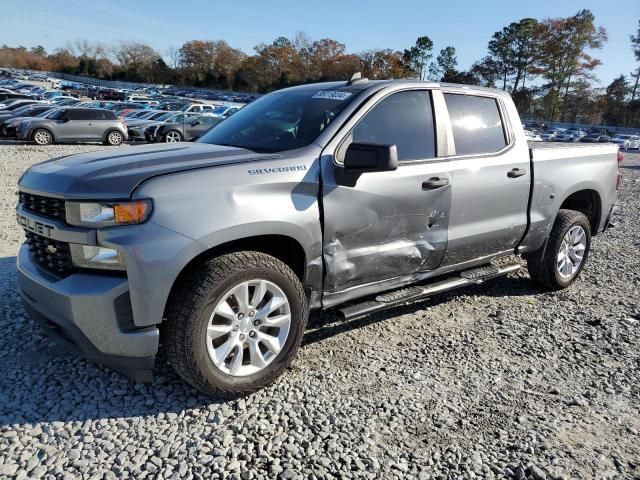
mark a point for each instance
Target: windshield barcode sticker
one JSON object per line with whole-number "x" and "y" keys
{"x": 332, "y": 95}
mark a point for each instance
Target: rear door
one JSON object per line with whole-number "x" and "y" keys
{"x": 385, "y": 228}
{"x": 491, "y": 178}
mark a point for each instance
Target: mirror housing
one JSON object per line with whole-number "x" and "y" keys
{"x": 362, "y": 157}
{"x": 196, "y": 123}
{"x": 66, "y": 119}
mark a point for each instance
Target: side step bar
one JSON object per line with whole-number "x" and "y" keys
{"x": 409, "y": 294}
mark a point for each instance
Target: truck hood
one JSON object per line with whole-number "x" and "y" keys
{"x": 114, "y": 174}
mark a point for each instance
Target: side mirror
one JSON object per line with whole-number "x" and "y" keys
{"x": 370, "y": 157}
{"x": 66, "y": 119}
{"x": 193, "y": 124}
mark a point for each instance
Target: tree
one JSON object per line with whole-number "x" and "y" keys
{"x": 512, "y": 51}
{"x": 487, "y": 71}
{"x": 614, "y": 101}
{"x": 635, "y": 46}
{"x": 446, "y": 64}
{"x": 39, "y": 50}
{"x": 418, "y": 56}
{"x": 137, "y": 60}
{"x": 561, "y": 53}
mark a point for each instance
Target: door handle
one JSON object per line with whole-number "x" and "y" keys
{"x": 516, "y": 172}
{"x": 434, "y": 183}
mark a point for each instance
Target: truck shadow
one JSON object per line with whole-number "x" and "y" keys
{"x": 328, "y": 324}
{"x": 42, "y": 382}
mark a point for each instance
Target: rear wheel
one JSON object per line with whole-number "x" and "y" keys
{"x": 114, "y": 138}
{"x": 235, "y": 324}
{"x": 173, "y": 136}
{"x": 558, "y": 265}
{"x": 42, "y": 136}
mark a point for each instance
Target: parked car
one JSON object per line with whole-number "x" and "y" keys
{"x": 224, "y": 111}
{"x": 182, "y": 129}
{"x": 4, "y": 97}
{"x": 75, "y": 125}
{"x": 317, "y": 196}
{"x": 595, "y": 138}
{"x": 569, "y": 136}
{"x": 149, "y": 129}
{"x": 532, "y": 137}
{"x": 9, "y": 125}
{"x": 136, "y": 126}
{"x": 10, "y": 105}
{"x": 627, "y": 142}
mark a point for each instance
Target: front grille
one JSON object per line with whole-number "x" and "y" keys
{"x": 47, "y": 206}
{"x": 50, "y": 254}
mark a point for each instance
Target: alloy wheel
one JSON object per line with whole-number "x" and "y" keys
{"x": 571, "y": 252}
{"x": 248, "y": 327}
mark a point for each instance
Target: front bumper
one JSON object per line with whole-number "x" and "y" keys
{"x": 89, "y": 313}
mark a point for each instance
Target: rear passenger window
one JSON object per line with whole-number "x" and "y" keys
{"x": 476, "y": 123}
{"x": 77, "y": 115}
{"x": 404, "y": 119}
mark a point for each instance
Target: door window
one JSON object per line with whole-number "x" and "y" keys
{"x": 404, "y": 119}
{"x": 476, "y": 123}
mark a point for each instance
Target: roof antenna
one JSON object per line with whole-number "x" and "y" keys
{"x": 356, "y": 77}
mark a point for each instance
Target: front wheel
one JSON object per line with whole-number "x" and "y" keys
{"x": 42, "y": 136}
{"x": 558, "y": 265}
{"x": 235, "y": 324}
{"x": 173, "y": 136}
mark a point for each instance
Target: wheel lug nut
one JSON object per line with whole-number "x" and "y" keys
{"x": 241, "y": 337}
{"x": 252, "y": 313}
{"x": 256, "y": 323}
{"x": 240, "y": 316}
{"x": 252, "y": 334}
{"x": 235, "y": 329}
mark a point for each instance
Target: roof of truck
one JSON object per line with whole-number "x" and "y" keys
{"x": 362, "y": 84}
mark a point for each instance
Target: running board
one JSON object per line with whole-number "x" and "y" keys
{"x": 409, "y": 294}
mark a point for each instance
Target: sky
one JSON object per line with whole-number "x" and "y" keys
{"x": 361, "y": 25}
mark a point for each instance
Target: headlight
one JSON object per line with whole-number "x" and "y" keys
{"x": 107, "y": 214}
{"x": 89, "y": 256}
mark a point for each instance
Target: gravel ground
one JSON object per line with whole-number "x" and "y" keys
{"x": 498, "y": 381}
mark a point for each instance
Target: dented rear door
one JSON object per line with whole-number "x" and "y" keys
{"x": 385, "y": 228}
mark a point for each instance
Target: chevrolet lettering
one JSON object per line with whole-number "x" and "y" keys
{"x": 35, "y": 226}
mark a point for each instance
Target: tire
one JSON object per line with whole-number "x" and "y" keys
{"x": 172, "y": 136}
{"x": 549, "y": 266}
{"x": 191, "y": 315}
{"x": 114, "y": 138}
{"x": 42, "y": 136}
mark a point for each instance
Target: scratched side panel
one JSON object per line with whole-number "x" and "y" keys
{"x": 384, "y": 227}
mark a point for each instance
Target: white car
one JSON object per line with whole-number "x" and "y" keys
{"x": 532, "y": 137}
{"x": 223, "y": 111}
{"x": 627, "y": 142}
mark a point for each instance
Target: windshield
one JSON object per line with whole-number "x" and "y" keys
{"x": 219, "y": 110}
{"x": 46, "y": 113}
{"x": 281, "y": 121}
{"x": 623, "y": 137}
{"x": 165, "y": 116}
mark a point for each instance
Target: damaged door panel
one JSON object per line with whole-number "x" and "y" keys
{"x": 386, "y": 226}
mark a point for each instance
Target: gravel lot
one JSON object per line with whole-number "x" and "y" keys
{"x": 490, "y": 382}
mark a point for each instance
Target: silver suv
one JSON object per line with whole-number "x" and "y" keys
{"x": 75, "y": 125}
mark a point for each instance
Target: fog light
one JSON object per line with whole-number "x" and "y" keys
{"x": 89, "y": 256}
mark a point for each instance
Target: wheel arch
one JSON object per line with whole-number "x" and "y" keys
{"x": 113, "y": 129}
{"x": 34, "y": 129}
{"x": 283, "y": 247}
{"x": 588, "y": 202}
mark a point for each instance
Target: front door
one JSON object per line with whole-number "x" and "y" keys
{"x": 384, "y": 229}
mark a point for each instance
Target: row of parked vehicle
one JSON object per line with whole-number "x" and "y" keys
{"x": 64, "y": 118}
{"x": 543, "y": 133}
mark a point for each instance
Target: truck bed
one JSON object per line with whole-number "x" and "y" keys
{"x": 558, "y": 150}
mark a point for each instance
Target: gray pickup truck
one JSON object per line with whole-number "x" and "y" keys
{"x": 358, "y": 196}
